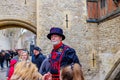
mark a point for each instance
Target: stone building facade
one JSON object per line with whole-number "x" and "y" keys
{"x": 4, "y": 40}
{"x": 97, "y": 45}
{"x": 16, "y": 38}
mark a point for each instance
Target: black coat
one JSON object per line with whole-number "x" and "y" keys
{"x": 38, "y": 60}
{"x": 2, "y": 58}
{"x": 7, "y": 56}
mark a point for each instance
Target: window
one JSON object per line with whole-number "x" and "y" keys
{"x": 103, "y": 3}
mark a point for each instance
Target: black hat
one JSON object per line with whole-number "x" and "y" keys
{"x": 37, "y": 48}
{"x": 56, "y": 30}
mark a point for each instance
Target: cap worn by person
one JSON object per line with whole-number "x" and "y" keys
{"x": 37, "y": 48}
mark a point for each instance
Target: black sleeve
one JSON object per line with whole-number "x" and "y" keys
{"x": 69, "y": 57}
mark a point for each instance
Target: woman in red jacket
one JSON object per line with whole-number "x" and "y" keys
{"x": 23, "y": 57}
{"x": 11, "y": 69}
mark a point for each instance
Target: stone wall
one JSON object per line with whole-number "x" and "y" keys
{"x": 109, "y": 44}
{"x": 53, "y": 14}
{"x": 4, "y": 40}
{"x": 86, "y": 38}
{"x": 79, "y": 35}
{"x": 18, "y": 9}
{"x": 102, "y": 40}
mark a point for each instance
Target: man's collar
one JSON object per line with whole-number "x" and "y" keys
{"x": 58, "y": 46}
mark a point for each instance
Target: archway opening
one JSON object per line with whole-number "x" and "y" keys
{"x": 24, "y": 38}
{"x": 10, "y": 23}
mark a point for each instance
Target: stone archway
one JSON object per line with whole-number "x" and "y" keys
{"x": 10, "y": 23}
{"x": 114, "y": 73}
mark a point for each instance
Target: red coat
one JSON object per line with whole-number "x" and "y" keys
{"x": 11, "y": 69}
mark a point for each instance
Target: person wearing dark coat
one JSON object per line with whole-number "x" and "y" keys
{"x": 37, "y": 57}
{"x": 7, "y": 57}
{"x": 61, "y": 54}
{"x": 2, "y": 58}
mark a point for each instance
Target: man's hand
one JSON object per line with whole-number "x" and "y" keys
{"x": 47, "y": 76}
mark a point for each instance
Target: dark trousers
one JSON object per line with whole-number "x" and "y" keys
{"x": 2, "y": 64}
{"x": 7, "y": 62}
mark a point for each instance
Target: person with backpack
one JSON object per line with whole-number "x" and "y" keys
{"x": 61, "y": 54}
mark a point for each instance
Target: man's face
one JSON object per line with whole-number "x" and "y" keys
{"x": 55, "y": 39}
{"x": 35, "y": 52}
{"x": 20, "y": 52}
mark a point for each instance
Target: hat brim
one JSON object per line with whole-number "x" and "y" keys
{"x": 49, "y": 35}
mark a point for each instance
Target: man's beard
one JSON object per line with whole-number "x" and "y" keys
{"x": 55, "y": 42}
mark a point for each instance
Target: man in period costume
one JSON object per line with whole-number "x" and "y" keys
{"x": 61, "y": 55}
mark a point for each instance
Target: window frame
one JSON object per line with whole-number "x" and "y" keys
{"x": 102, "y": 4}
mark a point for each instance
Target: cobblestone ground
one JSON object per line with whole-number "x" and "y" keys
{"x": 3, "y": 74}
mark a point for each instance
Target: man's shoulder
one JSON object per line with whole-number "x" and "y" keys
{"x": 68, "y": 48}
{"x": 42, "y": 55}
